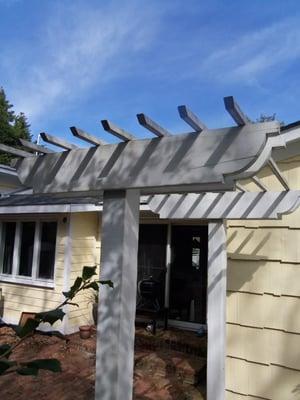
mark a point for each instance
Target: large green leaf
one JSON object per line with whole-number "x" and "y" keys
{"x": 17, "y": 329}
{"x": 5, "y": 348}
{"x": 50, "y": 364}
{"x": 88, "y": 272}
{"x": 27, "y": 371}
{"x": 93, "y": 285}
{"x": 109, "y": 283}
{"x": 51, "y": 316}
{"x": 29, "y": 326}
{"x": 5, "y": 365}
{"x": 71, "y": 293}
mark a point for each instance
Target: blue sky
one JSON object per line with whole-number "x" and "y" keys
{"x": 75, "y": 62}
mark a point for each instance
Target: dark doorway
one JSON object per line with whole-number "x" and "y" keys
{"x": 188, "y": 280}
{"x": 152, "y": 257}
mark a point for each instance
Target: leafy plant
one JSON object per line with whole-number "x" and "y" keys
{"x": 84, "y": 282}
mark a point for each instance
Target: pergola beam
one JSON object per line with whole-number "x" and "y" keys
{"x": 116, "y": 131}
{"x": 235, "y": 111}
{"x": 152, "y": 126}
{"x": 79, "y": 133}
{"x": 35, "y": 147}
{"x": 276, "y": 171}
{"x": 191, "y": 119}
{"x": 57, "y": 141}
{"x": 187, "y": 162}
{"x": 15, "y": 152}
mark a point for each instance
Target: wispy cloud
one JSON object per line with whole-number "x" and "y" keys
{"x": 79, "y": 48}
{"x": 255, "y": 54}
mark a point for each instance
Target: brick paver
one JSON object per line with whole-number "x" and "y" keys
{"x": 76, "y": 382}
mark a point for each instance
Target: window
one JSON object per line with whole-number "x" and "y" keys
{"x": 27, "y": 251}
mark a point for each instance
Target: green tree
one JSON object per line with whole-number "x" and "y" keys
{"x": 12, "y": 127}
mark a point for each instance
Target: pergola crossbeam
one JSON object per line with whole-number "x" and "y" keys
{"x": 276, "y": 171}
{"x": 235, "y": 111}
{"x": 15, "y": 152}
{"x": 81, "y": 134}
{"x": 152, "y": 126}
{"x": 191, "y": 119}
{"x": 259, "y": 183}
{"x": 116, "y": 131}
{"x": 57, "y": 141}
{"x": 35, "y": 147}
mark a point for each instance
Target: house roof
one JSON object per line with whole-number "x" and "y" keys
{"x": 44, "y": 204}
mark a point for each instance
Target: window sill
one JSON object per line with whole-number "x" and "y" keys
{"x": 28, "y": 281}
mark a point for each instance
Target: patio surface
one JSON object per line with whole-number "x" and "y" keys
{"x": 161, "y": 372}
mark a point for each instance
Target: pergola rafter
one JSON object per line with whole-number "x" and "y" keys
{"x": 57, "y": 141}
{"x": 191, "y": 119}
{"x": 235, "y": 111}
{"x": 14, "y": 152}
{"x": 152, "y": 126}
{"x": 81, "y": 134}
{"x": 116, "y": 131}
{"x": 35, "y": 147}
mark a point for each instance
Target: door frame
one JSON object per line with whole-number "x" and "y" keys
{"x": 216, "y": 301}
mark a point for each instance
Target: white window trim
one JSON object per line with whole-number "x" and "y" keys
{"x": 32, "y": 280}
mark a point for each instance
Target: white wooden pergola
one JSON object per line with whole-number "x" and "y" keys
{"x": 188, "y": 176}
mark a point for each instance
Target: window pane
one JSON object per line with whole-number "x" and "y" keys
{"x": 47, "y": 254}
{"x": 27, "y": 243}
{"x": 8, "y": 241}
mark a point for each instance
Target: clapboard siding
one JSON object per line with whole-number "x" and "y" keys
{"x": 263, "y": 302}
{"x": 270, "y": 382}
{"x": 84, "y": 251}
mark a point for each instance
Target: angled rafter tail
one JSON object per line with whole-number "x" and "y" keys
{"x": 79, "y": 133}
{"x": 35, "y": 147}
{"x": 152, "y": 126}
{"x": 276, "y": 171}
{"x": 57, "y": 141}
{"x": 116, "y": 131}
{"x": 238, "y": 186}
{"x": 15, "y": 152}
{"x": 259, "y": 183}
{"x": 235, "y": 111}
{"x": 191, "y": 119}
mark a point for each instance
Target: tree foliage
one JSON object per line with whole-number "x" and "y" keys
{"x": 12, "y": 127}
{"x": 268, "y": 118}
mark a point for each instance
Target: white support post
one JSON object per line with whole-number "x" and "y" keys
{"x": 117, "y": 306}
{"x": 216, "y": 311}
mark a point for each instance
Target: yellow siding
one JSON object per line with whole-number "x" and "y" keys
{"x": 263, "y": 302}
{"x": 19, "y": 298}
{"x": 85, "y": 250}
